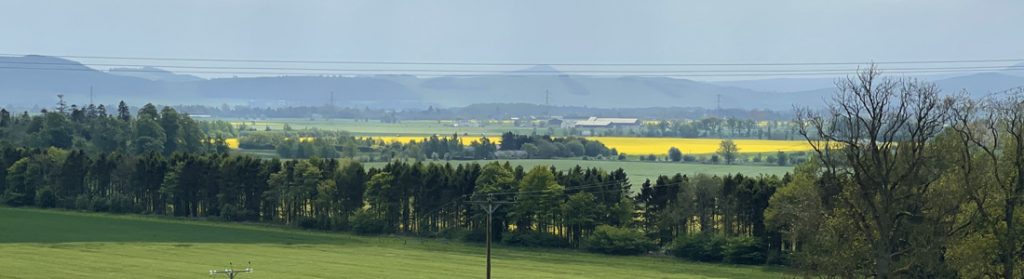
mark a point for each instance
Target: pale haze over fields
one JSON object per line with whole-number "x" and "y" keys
{"x": 417, "y": 54}
{"x": 520, "y": 31}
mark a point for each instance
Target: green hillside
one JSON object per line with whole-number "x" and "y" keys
{"x": 56, "y": 244}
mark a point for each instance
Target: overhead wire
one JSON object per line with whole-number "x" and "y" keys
{"x": 381, "y": 62}
{"x": 493, "y": 71}
{"x": 613, "y": 74}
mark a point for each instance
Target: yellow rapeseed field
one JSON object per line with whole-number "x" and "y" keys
{"x": 658, "y": 146}
{"x": 405, "y": 139}
{"x": 637, "y": 145}
{"x": 642, "y": 146}
{"x": 231, "y": 142}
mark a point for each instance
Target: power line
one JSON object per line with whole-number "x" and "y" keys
{"x": 518, "y": 63}
{"x": 808, "y": 73}
{"x": 392, "y": 70}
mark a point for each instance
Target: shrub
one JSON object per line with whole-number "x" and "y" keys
{"x": 230, "y": 212}
{"x": 307, "y": 223}
{"x": 121, "y": 204}
{"x": 453, "y": 233}
{"x": 364, "y": 222}
{"x": 533, "y": 239}
{"x": 674, "y": 154}
{"x": 617, "y": 241}
{"x": 744, "y": 250}
{"x": 99, "y": 204}
{"x": 477, "y": 235}
{"x": 703, "y": 247}
{"x": 83, "y": 202}
{"x": 46, "y": 199}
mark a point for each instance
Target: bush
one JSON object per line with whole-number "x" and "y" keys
{"x": 453, "y": 234}
{"x": 617, "y": 241}
{"x": 121, "y": 204}
{"x": 99, "y": 204}
{"x": 776, "y": 257}
{"x": 230, "y": 212}
{"x": 703, "y": 247}
{"x": 364, "y": 222}
{"x": 307, "y": 223}
{"x": 477, "y": 235}
{"x": 83, "y": 202}
{"x": 744, "y": 250}
{"x": 533, "y": 239}
{"x": 46, "y": 199}
{"x": 674, "y": 154}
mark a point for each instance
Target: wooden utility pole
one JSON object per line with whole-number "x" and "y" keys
{"x": 231, "y": 272}
{"x": 490, "y": 205}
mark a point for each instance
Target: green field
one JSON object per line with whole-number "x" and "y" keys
{"x": 638, "y": 171}
{"x": 57, "y": 244}
{"x": 376, "y": 128}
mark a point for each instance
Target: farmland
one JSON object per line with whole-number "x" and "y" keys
{"x": 638, "y": 171}
{"x": 56, "y": 244}
{"x": 418, "y": 128}
{"x": 659, "y": 146}
{"x": 638, "y": 146}
{"x": 415, "y": 130}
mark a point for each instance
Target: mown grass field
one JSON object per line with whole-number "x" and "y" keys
{"x": 637, "y": 171}
{"x": 417, "y": 128}
{"x": 38, "y": 243}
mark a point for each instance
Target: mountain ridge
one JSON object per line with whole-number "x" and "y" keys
{"x": 34, "y": 80}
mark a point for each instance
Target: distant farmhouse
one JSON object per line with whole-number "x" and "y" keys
{"x": 601, "y": 122}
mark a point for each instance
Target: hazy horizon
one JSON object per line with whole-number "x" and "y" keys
{"x": 527, "y": 32}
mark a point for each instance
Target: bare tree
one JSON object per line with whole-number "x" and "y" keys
{"x": 873, "y": 135}
{"x": 994, "y": 130}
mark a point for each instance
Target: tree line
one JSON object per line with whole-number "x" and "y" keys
{"x": 907, "y": 182}
{"x": 903, "y": 182}
{"x": 552, "y": 207}
{"x": 304, "y": 144}
{"x": 197, "y": 178}
{"x": 92, "y": 129}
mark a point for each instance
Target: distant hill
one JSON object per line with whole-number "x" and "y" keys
{"x": 153, "y": 73}
{"x": 1015, "y": 70}
{"x": 781, "y": 84}
{"x": 35, "y": 80}
{"x": 978, "y": 84}
{"x": 981, "y": 84}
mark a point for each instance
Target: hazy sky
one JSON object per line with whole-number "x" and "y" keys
{"x": 590, "y": 31}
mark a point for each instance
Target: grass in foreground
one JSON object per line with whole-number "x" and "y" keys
{"x": 55, "y": 244}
